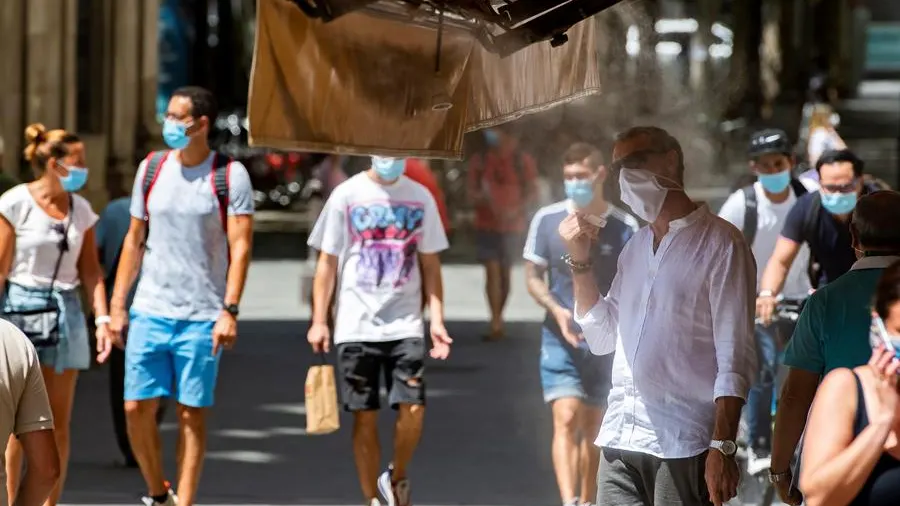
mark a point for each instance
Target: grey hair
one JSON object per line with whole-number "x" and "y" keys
{"x": 660, "y": 138}
{"x": 876, "y": 221}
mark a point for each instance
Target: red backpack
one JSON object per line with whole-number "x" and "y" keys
{"x": 219, "y": 182}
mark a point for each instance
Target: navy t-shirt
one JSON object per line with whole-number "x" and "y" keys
{"x": 829, "y": 239}
{"x": 110, "y": 233}
{"x": 545, "y": 247}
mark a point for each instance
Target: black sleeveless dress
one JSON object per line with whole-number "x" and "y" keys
{"x": 882, "y": 488}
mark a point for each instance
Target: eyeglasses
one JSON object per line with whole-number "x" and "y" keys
{"x": 636, "y": 160}
{"x": 841, "y": 188}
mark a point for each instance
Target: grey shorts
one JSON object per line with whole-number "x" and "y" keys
{"x": 362, "y": 366}
{"x": 636, "y": 479}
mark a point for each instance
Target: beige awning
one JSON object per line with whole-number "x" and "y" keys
{"x": 363, "y": 84}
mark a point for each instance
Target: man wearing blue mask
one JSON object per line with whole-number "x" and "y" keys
{"x": 190, "y": 235}
{"x": 760, "y": 211}
{"x": 820, "y": 220}
{"x": 380, "y": 237}
{"x": 575, "y": 382}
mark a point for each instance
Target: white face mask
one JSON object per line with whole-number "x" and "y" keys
{"x": 642, "y": 193}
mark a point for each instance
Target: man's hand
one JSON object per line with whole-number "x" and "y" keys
{"x": 224, "y": 333}
{"x": 564, "y": 319}
{"x": 440, "y": 341}
{"x": 105, "y": 341}
{"x": 765, "y": 308}
{"x": 319, "y": 338}
{"x": 578, "y": 233}
{"x": 788, "y": 494}
{"x": 722, "y": 477}
{"x": 118, "y": 321}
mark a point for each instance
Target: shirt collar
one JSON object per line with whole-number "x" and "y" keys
{"x": 686, "y": 221}
{"x": 875, "y": 262}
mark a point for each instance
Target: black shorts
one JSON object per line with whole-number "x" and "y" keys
{"x": 362, "y": 364}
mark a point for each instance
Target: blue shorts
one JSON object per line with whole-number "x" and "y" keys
{"x": 165, "y": 356}
{"x": 573, "y": 372}
{"x": 74, "y": 348}
{"x": 503, "y": 247}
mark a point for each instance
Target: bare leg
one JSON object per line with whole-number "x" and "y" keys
{"x": 144, "y": 436}
{"x": 192, "y": 439}
{"x": 367, "y": 451}
{"x": 13, "y": 468}
{"x": 591, "y": 418}
{"x": 407, "y": 432}
{"x": 565, "y": 445}
{"x": 505, "y": 284}
{"x": 494, "y": 286}
{"x": 61, "y": 391}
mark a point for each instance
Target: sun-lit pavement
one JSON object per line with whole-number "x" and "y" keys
{"x": 486, "y": 439}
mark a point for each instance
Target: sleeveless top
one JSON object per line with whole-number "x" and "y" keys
{"x": 882, "y": 488}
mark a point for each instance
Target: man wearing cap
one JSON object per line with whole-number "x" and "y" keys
{"x": 760, "y": 211}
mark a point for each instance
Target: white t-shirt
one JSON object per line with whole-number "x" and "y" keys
{"x": 820, "y": 141}
{"x": 376, "y": 232}
{"x": 38, "y": 236}
{"x": 770, "y": 221}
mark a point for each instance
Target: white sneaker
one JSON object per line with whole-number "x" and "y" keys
{"x": 394, "y": 493}
{"x": 757, "y": 464}
{"x": 374, "y": 502}
{"x": 171, "y": 500}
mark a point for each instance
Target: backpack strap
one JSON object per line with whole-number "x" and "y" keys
{"x": 798, "y": 187}
{"x": 220, "y": 180}
{"x": 751, "y": 214}
{"x": 810, "y": 222}
{"x": 155, "y": 161}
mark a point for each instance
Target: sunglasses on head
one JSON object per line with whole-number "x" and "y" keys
{"x": 636, "y": 160}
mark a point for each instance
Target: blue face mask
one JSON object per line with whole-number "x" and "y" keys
{"x": 580, "y": 191}
{"x": 175, "y": 134}
{"x": 75, "y": 180}
{"x": 492, "y": 137}
{"x": 838, "y": 203}
{"x": 388, "y": 168}
{"x": 775, "y": 183}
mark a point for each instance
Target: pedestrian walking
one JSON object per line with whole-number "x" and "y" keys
{"x": 679, "y": 316}
{"x": 26, "y": 417}
{"x": 49, "y": 252}
{"x": 575, "y": 382}
{"x": 380, "y": 236}
{"x": 190, "y": 232}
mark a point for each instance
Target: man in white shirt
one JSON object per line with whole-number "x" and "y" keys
{"x": 679, "y": 317}
{"x": 376, "y": 230}
{"x": 760, "y": 210}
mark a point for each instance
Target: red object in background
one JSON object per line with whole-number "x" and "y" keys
{"x": 418, "y": 171}
{"x": 288, "y": 163}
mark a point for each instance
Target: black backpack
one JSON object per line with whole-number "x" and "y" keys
{"x": 751, "y": 213}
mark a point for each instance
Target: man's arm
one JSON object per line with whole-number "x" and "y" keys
{"x": 433, "y": 285}
{"x": 535, "y": 280}
{"x": 778, "y": 266}
{"x": 240, "y": 243}
{"x": 323, "y": 287}
{"x": 129, "y": 262}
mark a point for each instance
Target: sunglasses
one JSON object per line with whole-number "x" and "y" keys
{"x": 60, "y": 228}
{"x": 636, "y": 160}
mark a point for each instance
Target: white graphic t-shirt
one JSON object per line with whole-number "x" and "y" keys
{"x": 376, "y": 231}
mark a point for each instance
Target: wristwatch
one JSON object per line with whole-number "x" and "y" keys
{"x": 727, "y": 448}
{"x": 779, "y": 477}
{"x": 231, "y": 309}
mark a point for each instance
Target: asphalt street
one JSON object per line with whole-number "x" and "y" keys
{"x": 486, "y": 439}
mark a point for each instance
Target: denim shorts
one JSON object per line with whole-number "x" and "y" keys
{"x": 165, "y": 357}
{"x": 74, "y": 348}
{"x": 567, "y": 371}
{"x": 503, "y": 247}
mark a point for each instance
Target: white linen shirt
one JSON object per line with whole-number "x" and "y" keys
{"x": 680, "y": 321}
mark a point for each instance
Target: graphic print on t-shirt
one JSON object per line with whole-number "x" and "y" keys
{"x": 388, "y": 235}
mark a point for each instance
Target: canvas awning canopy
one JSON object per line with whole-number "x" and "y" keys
{"x": 365, "y": 83}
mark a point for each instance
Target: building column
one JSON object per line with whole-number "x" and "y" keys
{"x": 12, "y": 92}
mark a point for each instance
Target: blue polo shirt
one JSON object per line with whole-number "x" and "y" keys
{"x": 545, "y": 248}
{"x": 829, "y": 239}
{"x": 833, "y": 330}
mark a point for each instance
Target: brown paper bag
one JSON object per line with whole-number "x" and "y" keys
{"x": 321, "y": 400}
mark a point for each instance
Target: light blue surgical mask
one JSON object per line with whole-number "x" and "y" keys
{"x": 75, "y": 180}
{"x": 580, "y": 191}
{"x": 775, "y": 183}
{"x": 492, "y": 137}
{"x": 839, "y": 203}
{"x": 175, "y": 134}
{"x": 388, "y": 168}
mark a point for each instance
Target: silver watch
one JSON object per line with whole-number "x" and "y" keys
{"x": 727, "y": 448}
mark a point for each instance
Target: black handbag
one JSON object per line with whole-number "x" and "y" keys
{"x": 41, "y": 324}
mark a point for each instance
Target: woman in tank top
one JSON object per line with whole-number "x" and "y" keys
{"x": 851, "y": 454}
